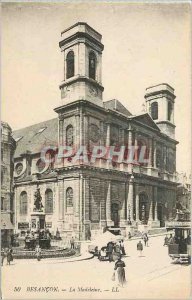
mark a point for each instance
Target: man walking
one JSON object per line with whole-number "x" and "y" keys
{"x": 145, "y": 238}
{"x": 140, "y": 247}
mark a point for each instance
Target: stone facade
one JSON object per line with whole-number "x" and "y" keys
{"x": 87, "y": 196}
{"x": 7, "y": 197}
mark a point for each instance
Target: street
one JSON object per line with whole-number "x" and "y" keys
{"x": 151, "y": 276}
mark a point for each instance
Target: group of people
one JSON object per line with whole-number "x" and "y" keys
{"x": 113, "y": 248}
{"x": 39, "y": 234}
{"x": 169, "y": 240}
{"x": 7, "y": 253}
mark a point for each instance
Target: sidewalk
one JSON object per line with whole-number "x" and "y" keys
{"x": 150, "y": 235}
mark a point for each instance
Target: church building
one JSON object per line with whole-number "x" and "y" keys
{"x": 80, "y": 197}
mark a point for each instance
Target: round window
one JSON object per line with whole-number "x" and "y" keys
{"x": 19, "y": 168}
{"x": 40, "y": 165}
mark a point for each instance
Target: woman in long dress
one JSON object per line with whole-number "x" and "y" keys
{"x": 119, "y": 266}
{"x": 38, "y": 252}
{"x": 9, "y": 256}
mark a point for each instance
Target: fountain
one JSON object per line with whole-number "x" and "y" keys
{"x": 40, "y": 235}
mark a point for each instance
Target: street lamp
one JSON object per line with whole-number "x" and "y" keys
{"x": 129, "y": 216}
{"x": 143, "y": 214}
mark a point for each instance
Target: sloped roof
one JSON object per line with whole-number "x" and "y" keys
{"x": 147, "y": 120}
{"x": 34, "y": 138}
{"x": 115, "y": 104}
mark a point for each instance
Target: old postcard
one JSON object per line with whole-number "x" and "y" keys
{"x": 96, "y": 150}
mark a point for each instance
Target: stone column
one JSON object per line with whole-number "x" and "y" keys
{"x": 61, "y": 131}
{"x": 108, "y": 204}
{"x": 81, "y": 137}
{"x": 122, "y": 215}
{"x": 85, "y": 130}
{"x": 108, "y": 142}
{"x": 77, "y": 131}
{"x": 155, "y": 203}
{"x": 61, "y": 199}
{"x": 137, "y": 207}
{"x": 108, "y": 139}
{"x": 81, "y": 207}
{"x": 151, "y": 205}
{"x": 130, "y": 137}
{"x": 102, "y": 133}
{"x": 150, "y": 153}
{"x": 136, "y": 145}
{"x": 164, "y": 158}
{"x": 130, "y": 199}
{"x": 154, "y": 154}
{"x": 86, "y": 198}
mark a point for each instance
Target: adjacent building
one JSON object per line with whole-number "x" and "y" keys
{"x": 7, "y": 197}
{"x": 80, "y": 197}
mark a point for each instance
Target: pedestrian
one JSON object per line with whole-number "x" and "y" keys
{"x": 110, "y": 251}
{"x": 171, "y": 239}
{"x": 38, "y": 252}
{"x": 166, "y": 240}
{"x": 3, "y": 255}
{"x": 140, "y": 247}
{"x": 129, "y": 235}
{"x": 9, "y": 256}
{"x": 119, "y": 267}
{"x": 122, "y": 248}
{"x": 145, "y": 238}
{"x": 72, "y": 242}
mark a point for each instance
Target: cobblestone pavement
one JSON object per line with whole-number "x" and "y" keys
{"x": 151, "y": 276}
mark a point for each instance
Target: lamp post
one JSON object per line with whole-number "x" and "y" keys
{"x": 143, "y": 214}
{"x": 129, "y": 216}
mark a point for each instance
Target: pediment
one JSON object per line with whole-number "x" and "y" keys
{"x": 147, "y": 120}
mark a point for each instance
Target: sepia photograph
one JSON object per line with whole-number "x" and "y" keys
{"x": 96, "y": 150}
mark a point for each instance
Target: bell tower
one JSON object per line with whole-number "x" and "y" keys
{"x": 160, "y": 106}
{"x": 82, "y": 57}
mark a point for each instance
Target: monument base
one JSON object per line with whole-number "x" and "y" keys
{"x": 37, "y": 220}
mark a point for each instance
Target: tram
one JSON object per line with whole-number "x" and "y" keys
{"x": 179, "y": 247}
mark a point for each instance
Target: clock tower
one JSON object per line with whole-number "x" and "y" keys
{"x": 82, "y": 54}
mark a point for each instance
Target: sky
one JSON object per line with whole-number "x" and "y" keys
{"x": 144, "y": 45}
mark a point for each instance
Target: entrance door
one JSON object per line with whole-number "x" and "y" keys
{"x": 160, "y": 215}
{"x": 115, "y": 214}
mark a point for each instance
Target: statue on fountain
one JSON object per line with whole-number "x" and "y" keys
{"x": 37, "y": 202}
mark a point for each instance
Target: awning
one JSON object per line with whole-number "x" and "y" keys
{"x": 6, "y": 222}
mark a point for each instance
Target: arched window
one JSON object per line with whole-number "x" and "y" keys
{"x": 92, "y": 65}
{"x": 48, "y": 201}
{"x": 23, "y": 203}
{"x": 69, "y": 135}
{"x": 69, "y": 199}
{"x": 70, "y": 64}
{"x": 170, "y": 108}
{"x": 154, "y": 110}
